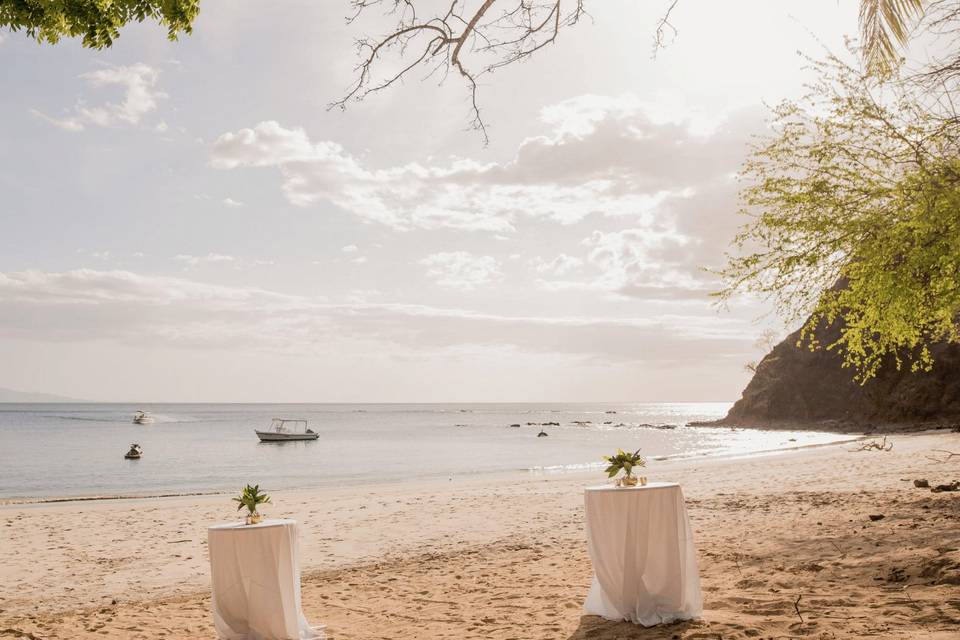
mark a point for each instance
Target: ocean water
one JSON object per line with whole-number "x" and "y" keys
{"x": 72, "y": 450}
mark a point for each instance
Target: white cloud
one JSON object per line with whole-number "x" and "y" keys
{"x": 558, "y": 266}
{"x": 638, "y": 259}
{"x": 580, "y": 116}
{"x": 353, "y": 250}
{"x": 127, "y": 307}
{"x": 270, "y": 144}
{"x": 193, "y": 261}
{"x": 138, "y": 83}
{"x": 230, "y": 202}
{"x": 71, "y": 124}
{"x": 102, "y": 254}
{"x": 602, "y": 157}
{"x": 461, "y": 270}
{"x": 93, "y": 287}
{"x": 648, "y": 263}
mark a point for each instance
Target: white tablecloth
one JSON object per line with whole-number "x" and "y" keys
{"x": 644, "y": 561}
{"x": 255, "y": 571}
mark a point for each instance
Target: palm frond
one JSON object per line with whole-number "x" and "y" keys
{"x": 885, "y": 26}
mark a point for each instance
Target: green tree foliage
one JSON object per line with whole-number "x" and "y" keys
{"x": 854, "y": 208}
{"x": 97, "y": 22}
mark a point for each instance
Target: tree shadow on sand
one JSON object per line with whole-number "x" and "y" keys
{"x": 596, "y": 628}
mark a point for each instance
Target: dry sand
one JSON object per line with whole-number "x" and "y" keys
{"x": 780, "y": 537}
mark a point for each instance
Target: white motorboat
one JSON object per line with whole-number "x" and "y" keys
{"x": 142, "y": 417}
{"x": 284, "y": 430}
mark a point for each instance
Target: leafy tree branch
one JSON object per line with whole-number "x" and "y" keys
{"x": 852, "y": 205}
{"x": 96, "y": 22}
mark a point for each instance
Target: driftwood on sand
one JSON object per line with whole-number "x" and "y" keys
{"x": 874, "y": 445}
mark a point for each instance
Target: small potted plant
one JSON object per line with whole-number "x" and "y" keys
{"x": 251, "y": 498}
{"x": 626, "y": 462}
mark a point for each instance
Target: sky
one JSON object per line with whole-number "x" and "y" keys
{"x": 187, "y": 221}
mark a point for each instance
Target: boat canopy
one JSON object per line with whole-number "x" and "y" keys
{"x": 284, "y": 425}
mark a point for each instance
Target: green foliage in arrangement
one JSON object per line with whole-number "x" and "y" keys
{"x": 251, "y": 498}
{"x": 624, "y": 461}
{"x": 97, "y": 22}
{"x": 853, "y": 218}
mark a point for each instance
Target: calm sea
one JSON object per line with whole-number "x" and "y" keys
{"x": 61, "y": 450}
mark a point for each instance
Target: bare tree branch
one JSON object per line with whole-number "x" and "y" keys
{"x": 475, "y": 41}
{"x": 664, "y": 27}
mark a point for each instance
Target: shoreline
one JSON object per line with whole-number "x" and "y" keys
{"x": 505, "y": 557}
{"x": 586, "y": 467}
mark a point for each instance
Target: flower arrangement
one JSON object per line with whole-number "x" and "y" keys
{"x": 251, "y": 498}
{"x": 626, "y": 462}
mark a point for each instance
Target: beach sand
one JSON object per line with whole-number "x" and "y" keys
{"x": 786, "y": 548}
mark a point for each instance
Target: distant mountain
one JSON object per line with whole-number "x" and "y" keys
{"x": 10, "y": 395}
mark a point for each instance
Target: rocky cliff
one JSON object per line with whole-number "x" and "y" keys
{"x": 796, "y": 387}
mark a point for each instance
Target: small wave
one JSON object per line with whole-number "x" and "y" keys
{"x": 128, "y": 418}
{"x": 90, "y": 498}
{"x": 560, "y": 468}
{"x": 85, "y": 418}
{"x": 161, "y": 417}
{"x": 610, "y": 424}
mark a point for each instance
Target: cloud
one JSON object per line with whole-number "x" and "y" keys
{"x": 640, "y": 259}
{"x": 93, "y": 287}
{"x": 653, "y": 263}
{"x": 352, "y": 250}
{"x": 71, "y": 124}
{"x": 193, "y": 261}
{"x": 667, "y": 260}
{"x": 558, "y": 266}
{"x": 102, "y": 254}
{"x": 131, "y": 308}
{"x": 233, "y": 204}
{"x": 601, "y": 157}
{"x": 461, "y": 270}
{"x": 138, "y": 83}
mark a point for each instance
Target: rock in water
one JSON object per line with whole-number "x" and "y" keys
{"x": 794, "y": 386}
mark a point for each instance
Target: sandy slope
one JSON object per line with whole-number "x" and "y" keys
{"x": 505, "y": 557}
